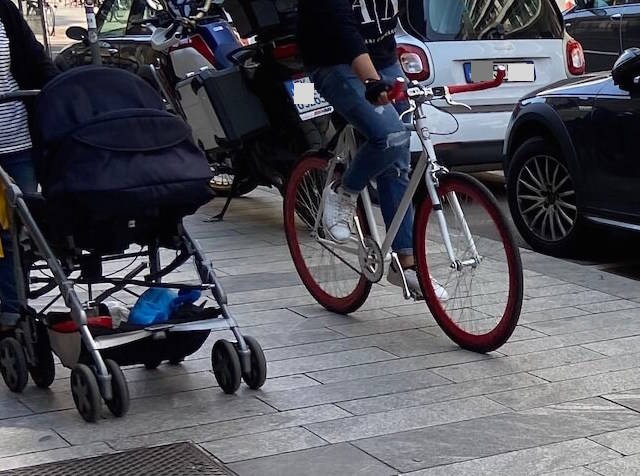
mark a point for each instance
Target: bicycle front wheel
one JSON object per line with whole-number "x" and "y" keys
{"x": 331, "y": 274}
{"x": 485, "y": 289}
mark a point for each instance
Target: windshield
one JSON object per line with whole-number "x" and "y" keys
{"x": 455, "y": 20}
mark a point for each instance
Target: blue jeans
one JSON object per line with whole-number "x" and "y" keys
{"x": 19, "y": 166}
{"x": 386, "y": 154}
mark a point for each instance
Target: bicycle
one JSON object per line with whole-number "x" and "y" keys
{"x": 462, "y": 240}
{"x": 48, "y": 12}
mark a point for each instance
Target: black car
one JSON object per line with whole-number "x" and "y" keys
{"x": 123, "y": 41}
{"x": 571, "y": 157}
{"x": 605, "y": 28}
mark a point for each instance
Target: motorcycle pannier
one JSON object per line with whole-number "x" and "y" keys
{"x": 220, "y": 107}
{"x": 263, "y": 17}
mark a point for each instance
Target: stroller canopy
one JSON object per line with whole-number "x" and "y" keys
{"x": 103, "y": 138}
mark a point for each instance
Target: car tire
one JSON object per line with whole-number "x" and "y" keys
{"x": 542, "y": 198}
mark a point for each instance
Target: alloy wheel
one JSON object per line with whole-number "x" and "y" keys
{"x": 547, "y": 198}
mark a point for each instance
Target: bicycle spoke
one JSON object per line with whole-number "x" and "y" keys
{"x": 478, "y": 293}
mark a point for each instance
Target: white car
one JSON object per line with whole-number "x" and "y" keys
{"x": 445, "y": 42}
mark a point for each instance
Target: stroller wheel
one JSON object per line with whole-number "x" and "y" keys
{"x": 86, "y": 393}
{"x": 13, "y": 364}
{"x": 226, "y": 366}
{"x": 44, "y": 372}
{"x": 119, "y": 403}
{"x": 152, "y": 364}
{"x": 257, "y": 374}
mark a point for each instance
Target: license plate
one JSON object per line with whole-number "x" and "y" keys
{"x": 520, "y": 72}
{"x": 319, "y": 107}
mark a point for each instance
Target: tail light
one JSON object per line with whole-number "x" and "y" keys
{"x": 414, "y": 62}
{"x": 197, "y": 43}
{"x": 575, "y": 58}
{"x": 288, "y": 50}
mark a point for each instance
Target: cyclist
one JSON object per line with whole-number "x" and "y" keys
{"x": 350, "y": 49}
{"x": 23, "y": 65}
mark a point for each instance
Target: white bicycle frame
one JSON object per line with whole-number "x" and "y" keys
{"x": 426, "y": 167}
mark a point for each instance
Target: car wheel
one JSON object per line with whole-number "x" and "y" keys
{"x": 542, "y": 198}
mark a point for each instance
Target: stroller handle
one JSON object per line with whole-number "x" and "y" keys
{"x": 19, "y": 95}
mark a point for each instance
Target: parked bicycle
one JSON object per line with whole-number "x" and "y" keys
{"x": 33, "y": 9}
{"x": 462, "y": 240}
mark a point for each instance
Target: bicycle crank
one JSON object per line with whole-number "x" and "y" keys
{"x": 371, "y": 260}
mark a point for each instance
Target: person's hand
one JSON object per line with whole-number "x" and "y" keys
{"x": 376, "y": 92}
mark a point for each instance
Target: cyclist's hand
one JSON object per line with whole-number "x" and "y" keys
{"x": 376, "y": 91}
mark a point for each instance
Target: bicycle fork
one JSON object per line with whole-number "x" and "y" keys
{"x": 432, "y": 184}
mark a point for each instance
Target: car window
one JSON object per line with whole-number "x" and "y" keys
{"x": 140, "y": 11}
{"x": 591, "y": 4}
{"x": 115, "y": 19}
{"x": 457, "y": 20}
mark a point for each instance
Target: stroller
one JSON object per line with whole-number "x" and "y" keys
{"x": 116, "y": 171}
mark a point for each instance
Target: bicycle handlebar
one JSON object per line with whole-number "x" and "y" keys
{"x": 481, "y": 86}
{"x": 399, "y": 93}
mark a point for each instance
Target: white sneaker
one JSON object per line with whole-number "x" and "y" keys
{"x": 411, "y": 276}
{"x": 339, "y": 210}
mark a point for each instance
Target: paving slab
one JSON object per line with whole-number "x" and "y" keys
{"x": 467, "y": 440}
{"x": 440, "y": 393}
{"x": 343, "y": 391}
{"x": 626, "y": 466}
{"x": 333, "y": 460}
{"x": 269, "y": 443}
{"x": 568, "y": 390}
{"x": 517, "y": 363}
{"x": 51, "y": 456}
{"x": 232, "y": 428}
{"x": 532, "y": 461}
{"x": 626, "y": 442}
{"x": 395, "y": 421}
{"x": 19, "y": 440}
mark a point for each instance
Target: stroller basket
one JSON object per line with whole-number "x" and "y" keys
{"x": 115, "y": 170}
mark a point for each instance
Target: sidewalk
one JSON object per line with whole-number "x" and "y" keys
{"x": 381, "y": 392}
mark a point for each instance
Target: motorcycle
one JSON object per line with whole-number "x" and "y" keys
{"x": 192, "y": 47}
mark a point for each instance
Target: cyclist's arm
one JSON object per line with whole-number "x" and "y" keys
{"x": 364, "y": 68}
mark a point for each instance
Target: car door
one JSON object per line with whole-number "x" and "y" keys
{"x": 597, "y": 24}
{"x": 631, "y": 25}
{"x": 616, "y": 167}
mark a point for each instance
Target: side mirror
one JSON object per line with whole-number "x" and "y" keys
{"x": 627, "y": 69}
{"x": 77, "y": 33}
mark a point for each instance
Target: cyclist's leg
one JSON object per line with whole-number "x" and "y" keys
{"x": 381, "y": 126}
{"x": 384, "y": 133}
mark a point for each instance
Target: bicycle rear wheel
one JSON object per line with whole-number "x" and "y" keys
{"x": 485, "y": 298}
{"x": 330, "y": 274}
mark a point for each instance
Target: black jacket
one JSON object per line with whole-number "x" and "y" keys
{"x": 334, "y": 32}
{"x": 30, "y": 65}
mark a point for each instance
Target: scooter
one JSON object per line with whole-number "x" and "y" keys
{"x": 271, "y": 68}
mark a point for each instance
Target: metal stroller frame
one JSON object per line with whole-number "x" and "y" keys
{"x": 231, "y": 362}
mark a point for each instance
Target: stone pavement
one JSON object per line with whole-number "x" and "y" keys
{"x": 381, "y": 392}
